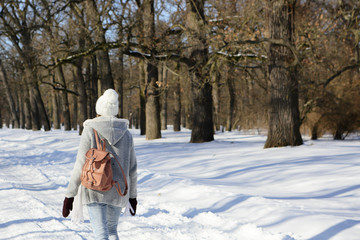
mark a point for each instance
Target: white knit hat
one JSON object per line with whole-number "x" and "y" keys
{"x": 108, "y": 104}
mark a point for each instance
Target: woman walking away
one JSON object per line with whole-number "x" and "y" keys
{"x": 104, "y": 207}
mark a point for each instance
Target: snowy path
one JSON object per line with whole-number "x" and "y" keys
{"x": 231, "y": 188}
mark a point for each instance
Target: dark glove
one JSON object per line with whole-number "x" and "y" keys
{"x": 133, "y": 203}
{"x": 67, "y": 206}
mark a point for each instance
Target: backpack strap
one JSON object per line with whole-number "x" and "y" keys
{"x": 98, "y": 142}
{"x": 125, "y": 180}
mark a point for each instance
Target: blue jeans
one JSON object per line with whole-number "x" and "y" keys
{"x": 104, "y": 220}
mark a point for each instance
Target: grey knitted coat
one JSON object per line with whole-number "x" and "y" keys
{"x": 120, "y": 144}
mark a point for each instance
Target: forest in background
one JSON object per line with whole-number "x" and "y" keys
{"x": 288, "y": 66}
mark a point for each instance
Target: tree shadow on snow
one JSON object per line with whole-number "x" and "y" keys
{"x": 328, "y": 195}
{"x": 154, "y": 211}
{"x": 217, "y": 207}
{"x": 332, "y": 231}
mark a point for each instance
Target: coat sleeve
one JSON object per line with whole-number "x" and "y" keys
{"x": 85, "y": 144}
{"x": 133, "y": 172}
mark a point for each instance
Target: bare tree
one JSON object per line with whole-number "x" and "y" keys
{"x": 202, "y": 126}
{"x": 20, "y": 24}
{"x": 152, "y": 94}
{"x": 93, "y": 13}
{"x": 177, "y": 99}
{"x": 9, "y": 96}
{"x": 284, "y": 122}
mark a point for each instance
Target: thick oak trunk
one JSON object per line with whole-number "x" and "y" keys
{"x": 153, "y": 123}
{"x": 202, "y": 117}
{"x": 284, "y": 118}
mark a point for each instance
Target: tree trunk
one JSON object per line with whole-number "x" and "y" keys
{"x": 339, "y": 134}
{"x": 177, "y": 101}
{"x": 82, "y": 98}
{"x": 38, "y": 112}
{"x": 75, "y": 121}
{"x": 216, "y": 99}
{"x": 202, "y": 124}
{"x": 164, "y": 114}
{"x": 64, "y": 99}
{"x": 188, "y": 112}
{"x": 21, "y": 101}
{"x": 152, "y": 109}
{"x": 27, "y": 107}
{"x": 120, "y": 84}
{"x": 137, "y": 118}
{"x": 74, "y": 113}
{"x": 9, "y": 97}
{"x": 35, "y": 116}
{"x": 284, "y": 119}
{"x": 142, "y": 79}
{"x": 106, "y": 78}
{"x": 314, "y": 131}
{"x": 40, "y": 105}
{"x": 231, "y": 89}
{"x": 55, "y": 109}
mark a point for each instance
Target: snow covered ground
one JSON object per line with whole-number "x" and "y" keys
{"x": 230, "y": 188}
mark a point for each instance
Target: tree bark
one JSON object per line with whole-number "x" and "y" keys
{"x": 230, "y": 83}
{"x": 55, "y": 108}
{"x": 102, "y": 55}
{"x": 142, "y": 79}
{"x": 152, "y": 94}
{"x": 21, "y": 102}
{"x": 64, "y": 99}
{"x": 75, "y": 121}
{"x": 202, "y": 124}
{"x": 82, "y": 98}
{"x": 314, "y": 131}
{"x": 9, "y": 97}
{"x": 152, "y": 108}
{"x": 164, "y": 108}
{"x": 284, "y": 117}
{"x": 177, "y": 100}
{"x": 120, "y": 84}
{"x": 216, "y": 99}
{"x": 38, "y": 112}
{"x": 27, "y": 107}
{"x": 94, "y": 89}
{"x": 339, "y": 134}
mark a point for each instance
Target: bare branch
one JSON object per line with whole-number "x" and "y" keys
{"x": 55, "y": 87}
{"x": 338, "y": 73}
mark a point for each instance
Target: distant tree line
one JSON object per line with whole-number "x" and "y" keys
{"x": 287, "y": 66}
